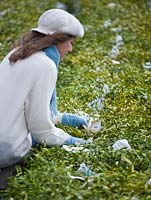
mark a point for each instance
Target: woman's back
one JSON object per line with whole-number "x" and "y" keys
{"x": 16, "y": 85}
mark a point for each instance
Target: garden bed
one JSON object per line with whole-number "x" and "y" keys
{"x": 108, "y": 76}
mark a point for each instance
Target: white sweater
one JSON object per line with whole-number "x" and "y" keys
{"x": 25, "y": 91}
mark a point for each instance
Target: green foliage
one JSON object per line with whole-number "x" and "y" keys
{"x": 126, "y": 112}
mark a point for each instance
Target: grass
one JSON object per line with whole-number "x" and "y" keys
{"x": 126, "y": 111}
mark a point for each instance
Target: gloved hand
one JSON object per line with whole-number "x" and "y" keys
{"x": 75, "y": 140}
{"x": 74, "y": 120}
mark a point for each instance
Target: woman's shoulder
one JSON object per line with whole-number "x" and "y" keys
{"x": 39, "y": 62}
{"x": 36, "y": 65}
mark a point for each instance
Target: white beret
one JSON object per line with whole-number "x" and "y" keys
{"x": 59, "y": 21}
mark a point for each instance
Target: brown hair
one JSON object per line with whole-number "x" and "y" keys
{"x": 35, "y": 41}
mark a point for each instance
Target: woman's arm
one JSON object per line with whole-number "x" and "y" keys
{"x": 37, "y": 110}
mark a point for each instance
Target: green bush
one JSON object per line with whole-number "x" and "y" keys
{"x": 126, "y": 111}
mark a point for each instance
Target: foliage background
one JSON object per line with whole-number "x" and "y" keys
{"x": 126, "y": 111}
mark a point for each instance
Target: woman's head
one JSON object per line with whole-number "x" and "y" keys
{"x": 33, "y": 42}
{"x": 59, "y": 29}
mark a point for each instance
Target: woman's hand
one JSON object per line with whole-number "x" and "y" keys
{"x": 74, "y": 120}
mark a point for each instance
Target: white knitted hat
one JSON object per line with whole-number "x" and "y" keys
{"x": 59, "y": 21}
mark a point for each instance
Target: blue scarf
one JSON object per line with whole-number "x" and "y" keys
{"x": 53, "y": 53}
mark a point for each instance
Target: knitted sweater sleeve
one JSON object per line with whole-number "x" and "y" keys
{"x": 37, "y": 111}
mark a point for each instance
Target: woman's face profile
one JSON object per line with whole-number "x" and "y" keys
{"x": 65, "y": 47}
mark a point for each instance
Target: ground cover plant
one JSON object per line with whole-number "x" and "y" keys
{"x": 107, "y": 76}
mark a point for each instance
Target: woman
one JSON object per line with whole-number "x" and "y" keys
{"x": 28, "y": 76}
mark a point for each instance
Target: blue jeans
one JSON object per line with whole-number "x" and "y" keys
{"x": 33, "y": 142}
